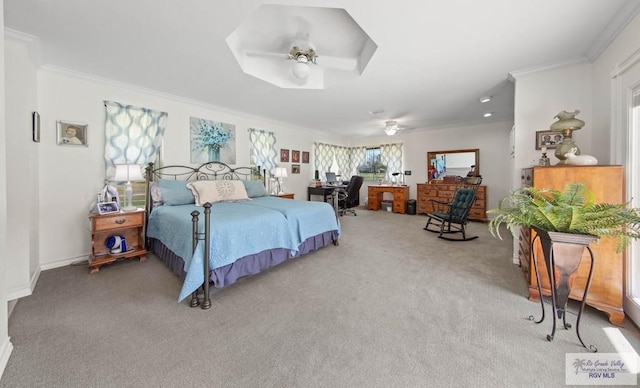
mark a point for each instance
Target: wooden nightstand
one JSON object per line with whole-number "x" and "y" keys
{"x": 284, "y": 195}
{"x": 130, "y": 225}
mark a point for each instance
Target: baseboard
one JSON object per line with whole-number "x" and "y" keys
{"x": 17, "y": 294}
{"x": 5, "y": 352}
{"x": 63, "y": 262}
{"x": 21, "y": 293}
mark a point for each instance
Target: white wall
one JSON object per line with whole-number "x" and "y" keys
{"x": 621, "y": 48}
{"x": 70, "y": 177}
{"x": 5, "y": 344}
{"x": 541, "y": 95}
{"x": 22, "y": 167}
{"x": 491, "y": 139}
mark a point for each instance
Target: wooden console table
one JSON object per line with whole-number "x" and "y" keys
{"x": 400, "y": 197}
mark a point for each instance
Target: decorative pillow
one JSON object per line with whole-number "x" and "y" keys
{"x": 156, "y": 194}
{"x": 255, "y": 189}
{"x": 175, "y": 192}
{"x": 218, "y": 191}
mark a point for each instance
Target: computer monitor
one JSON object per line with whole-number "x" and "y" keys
{"x": 331, "y": 177}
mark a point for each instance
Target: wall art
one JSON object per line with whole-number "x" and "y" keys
{"x": 212, "y": 141}
{"x": 284, "y": 155}
{"x": 71, "y": 134}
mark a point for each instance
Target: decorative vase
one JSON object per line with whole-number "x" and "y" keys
{"x": 566, "y": 249}
{"x": 214, "y": 154}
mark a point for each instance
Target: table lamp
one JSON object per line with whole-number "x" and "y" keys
{"x": 127, "y": 173}
{"x": 279, "y": 173}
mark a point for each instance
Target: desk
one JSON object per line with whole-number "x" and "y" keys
{"x": 400, "y": 197}
{"x": 325, "y": 191}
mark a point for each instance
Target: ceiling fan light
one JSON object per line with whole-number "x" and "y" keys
{"x": 301, "y": 69}
{"x": 390, "y": 128}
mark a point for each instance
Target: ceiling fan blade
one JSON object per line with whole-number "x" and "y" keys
{"x": 340, "y": 63}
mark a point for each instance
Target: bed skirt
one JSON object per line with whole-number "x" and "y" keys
{"x": 248, "y": 265}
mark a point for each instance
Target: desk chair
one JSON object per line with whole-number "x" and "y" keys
{"x": 451, "y": 217}
{"x": 349, "y": 197}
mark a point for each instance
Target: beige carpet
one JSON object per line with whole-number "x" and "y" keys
{"x": 392, "y": 306}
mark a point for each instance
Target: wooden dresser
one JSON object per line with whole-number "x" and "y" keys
{"x": 444, "y": 192}
{"x": 607, "y": 185}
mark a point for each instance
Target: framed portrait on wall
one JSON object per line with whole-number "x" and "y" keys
{"x": 295, "y": 169}
{"x": 71, "y": 134}
{"x": 284, "y": 155}
{"x": 295, "y": 156}
{"x": 305, "y": 156}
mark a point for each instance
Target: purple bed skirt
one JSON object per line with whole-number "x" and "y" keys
{"x": 248, "y": 265}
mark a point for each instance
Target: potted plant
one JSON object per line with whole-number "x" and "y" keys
{"x": 571, "y": 211}
{"x": 566, "y": 222}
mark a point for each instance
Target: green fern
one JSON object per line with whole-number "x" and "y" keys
{"x": 571, "y": 210}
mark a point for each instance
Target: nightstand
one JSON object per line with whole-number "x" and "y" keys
{"x": 284, "y": 195}
{"x": 129, "y": 225}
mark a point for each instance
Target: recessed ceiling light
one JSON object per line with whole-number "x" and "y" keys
{"x": 488, "y": 114}
{"x": 376, "y": 111}
{"x": 485, "y": 99}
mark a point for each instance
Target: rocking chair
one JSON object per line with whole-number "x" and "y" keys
{"x": 449, "y": 218}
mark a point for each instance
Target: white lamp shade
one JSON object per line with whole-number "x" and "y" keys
{"x": 128, "y": 173}
{"x": 279, "y": 172}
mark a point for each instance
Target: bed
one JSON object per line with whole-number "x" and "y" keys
{"x": 220, "y": 221}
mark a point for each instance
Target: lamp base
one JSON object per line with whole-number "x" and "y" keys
{"x": 129, "y": 208}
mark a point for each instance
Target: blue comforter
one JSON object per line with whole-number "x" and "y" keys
{"x": 238, "y": 229}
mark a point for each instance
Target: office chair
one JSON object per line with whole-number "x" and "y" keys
{"x": 451, "y": 217}
{"x": 349, "y": 197}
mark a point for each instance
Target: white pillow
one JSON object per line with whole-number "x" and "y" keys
{"x": 218, "y": 191}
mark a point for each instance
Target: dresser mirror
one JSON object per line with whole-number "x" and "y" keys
{"x": 453, "y": 162}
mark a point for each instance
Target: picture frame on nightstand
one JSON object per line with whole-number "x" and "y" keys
{"x": 107, "y": 207}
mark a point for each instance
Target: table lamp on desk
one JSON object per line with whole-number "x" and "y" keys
{"x": 395, "y": 175}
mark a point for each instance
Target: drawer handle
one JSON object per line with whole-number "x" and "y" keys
{"x": 120, "y": 221}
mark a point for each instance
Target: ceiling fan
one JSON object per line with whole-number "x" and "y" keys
{"x": 304, "y": 53}
{"x": 391, "y": 127}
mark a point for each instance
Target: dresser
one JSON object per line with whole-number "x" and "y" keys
{"x": 607, "y": 185}
{"x": 443, "y": 192}
{"x": 400, "y": 197}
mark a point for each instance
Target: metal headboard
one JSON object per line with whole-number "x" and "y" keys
{"x": 206, "y": 171}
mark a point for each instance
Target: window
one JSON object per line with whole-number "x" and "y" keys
{"x": 372, "y": 169}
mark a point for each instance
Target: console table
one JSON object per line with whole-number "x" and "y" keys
{"x": 400, "y": 197}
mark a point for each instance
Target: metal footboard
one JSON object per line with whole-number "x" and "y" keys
{"x": 199, "y": 236}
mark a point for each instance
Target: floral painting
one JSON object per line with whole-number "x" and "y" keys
{"x": 212, "y": 141}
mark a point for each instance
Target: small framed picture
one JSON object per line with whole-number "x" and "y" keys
{"x": 71, "y": 134}
{"x": 548, "y": 139}
{"x": 305, "y": 156}
{"x": 295, "y": 169}
{"x": 284, "y": 155}
{"x": 295, "y": 156}
{"x": 108, "y": 207}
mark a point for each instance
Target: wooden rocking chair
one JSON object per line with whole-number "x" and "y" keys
{"x": 449, "y": 218}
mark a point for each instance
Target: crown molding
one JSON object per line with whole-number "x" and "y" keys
{"x": 21, "y": 36}
{"x": 31, "y": 42}
{"x": 135, "y": 88}
{"x": 513, "y": 75}
{"x": 624, "y": 15}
